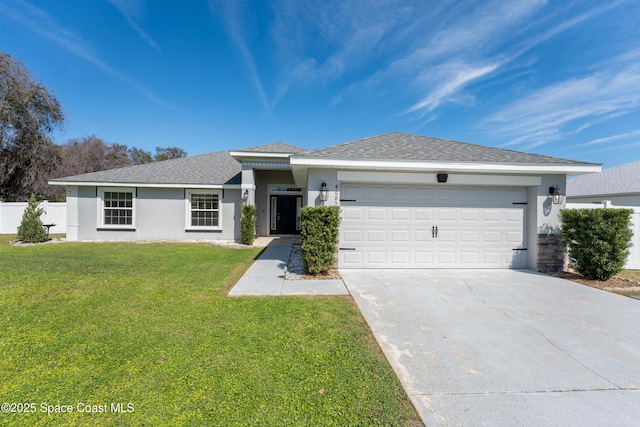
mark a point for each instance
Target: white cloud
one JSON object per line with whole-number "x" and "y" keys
{"x": 132, "y": 10}
{"x": 232, "y": 15}
{"x": 607, "y": 140}
{"x": 452, "y": 79}
{"x": 569, "y": 106}
{"x": 40, "y": 22}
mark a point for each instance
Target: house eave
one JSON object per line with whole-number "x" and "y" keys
{"x": 434, "y": 166}
{"x": 144, "y": 184}
{"x": 601, "y": 196}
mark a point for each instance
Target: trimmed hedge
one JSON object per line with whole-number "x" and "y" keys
{"x": 248, "y": 224}
{"x": 30, "y": 229}
{"x": 597, "y": 240}
{"x": 319, "y": 237}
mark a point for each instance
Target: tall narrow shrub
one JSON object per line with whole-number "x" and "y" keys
{"x": 318, "y": 237}
{"x": 31, "y": 229}
{"x": 597, "y": 240}
{"x": 248, "y": 224}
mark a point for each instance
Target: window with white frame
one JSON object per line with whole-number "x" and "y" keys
{"x": 203, "y": 209}
{"x": 117, "y": 207}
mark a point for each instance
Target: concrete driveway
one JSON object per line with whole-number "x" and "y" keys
{"x": 505, "y": 348}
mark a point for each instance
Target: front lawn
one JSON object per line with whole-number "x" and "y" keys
{"x": 145, "y": 334}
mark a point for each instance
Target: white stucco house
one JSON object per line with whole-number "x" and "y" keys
{"x": 620, "y": 185}
{"x": 407, "y": 201}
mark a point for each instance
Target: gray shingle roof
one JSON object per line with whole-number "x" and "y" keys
{"x": 402, "y": 146}
{"x": 276, "y": 147}
{"x": 623, "y": 179}
{"x": 212, "y": 168}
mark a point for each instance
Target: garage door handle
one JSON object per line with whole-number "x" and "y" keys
{"x": 434, "y": 231}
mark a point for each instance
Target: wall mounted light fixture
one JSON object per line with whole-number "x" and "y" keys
{"x": 245, "y": 195}
{"x": 324, "y": 192}
{"x": 556, "y": 195}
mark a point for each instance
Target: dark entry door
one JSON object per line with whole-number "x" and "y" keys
{"x": 284, "y": 210}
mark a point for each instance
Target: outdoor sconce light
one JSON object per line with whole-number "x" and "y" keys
{"x": 442, "y": 177}
{"x": 324, "y": 192}
{"x": 556, "y": 195}
{"x": 245, "y": 195}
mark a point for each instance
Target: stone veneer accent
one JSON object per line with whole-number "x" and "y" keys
{"x": 551, "y": 255}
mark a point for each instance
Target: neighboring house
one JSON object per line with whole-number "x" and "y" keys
{"x": 407, "y": 201}
{"x": 620, "y": 185}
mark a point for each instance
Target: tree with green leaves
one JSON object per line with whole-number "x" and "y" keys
{"x": 29, "y": 112}
{"x": 169, "y": 153}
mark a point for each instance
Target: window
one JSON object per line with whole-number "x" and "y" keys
{"x": 116, "y": 207}
{"x": 203, "y": 209}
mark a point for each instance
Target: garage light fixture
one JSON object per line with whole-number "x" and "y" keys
{"x": 556, "y": 195}
{"x": 324, "y": 192}
{"x": 442, "y": 177}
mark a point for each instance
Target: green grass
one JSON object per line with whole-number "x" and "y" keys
{"x": 152, "y": 325}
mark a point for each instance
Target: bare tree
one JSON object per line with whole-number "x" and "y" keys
{"x": 83, "y": 155}
{"x": 29, "y": 112}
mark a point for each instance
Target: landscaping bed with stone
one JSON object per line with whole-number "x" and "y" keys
{"x": 295, "y": 268}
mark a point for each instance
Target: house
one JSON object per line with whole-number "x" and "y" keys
{"x": 620, "y": 185}
{"x": 407, "y": 201}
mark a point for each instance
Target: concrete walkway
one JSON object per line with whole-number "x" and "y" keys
{"x": 266, "y": 277}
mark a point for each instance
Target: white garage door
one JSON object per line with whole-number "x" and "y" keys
{"x": 396, "y": 226}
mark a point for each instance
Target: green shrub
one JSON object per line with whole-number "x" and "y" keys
{"x": 318, "y": 237}
{"x": 248, "y": 224}
{"x": 31, "y": 229}
{"x": 597, "y": 240}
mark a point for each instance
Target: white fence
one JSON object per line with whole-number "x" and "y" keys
{"x": 633, "y": 262}
{"x": 54, "y": 213}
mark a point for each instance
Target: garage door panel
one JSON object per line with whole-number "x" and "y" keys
{"x": 351, "y": 213}
{"x": 400, "y": 214}
{"x": 401, "y": 236}
{"x": 514, "y": 215}
{"x": 469, "y": 259}
{"x": 376, "y": 236}
{"x": 422, "y": 214}
{"x": 400, "y": 257}
{"x": 422, "y": 258}
{"x": 376, "y": 214}
{"x": 390, "y": 226}
{"x": 378, "y": 193}
{"x": 401, "y": 194}
{"x": 376, "y": 258}
{"x": 352, "y": 236}
{"x": 351, "y": 258}
{"x": 422, "y": 235}
{"x": 491, "y": 237}
{"x": 467, "y": 236}
{"x": 446, "y": 215}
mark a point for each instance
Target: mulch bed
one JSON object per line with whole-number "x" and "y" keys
{"x": 617, "y": 283}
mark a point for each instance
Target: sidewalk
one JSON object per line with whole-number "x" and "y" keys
{"x": 266, "y": 277}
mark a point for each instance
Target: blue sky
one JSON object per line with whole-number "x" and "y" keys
{"x": 559, "y": 78}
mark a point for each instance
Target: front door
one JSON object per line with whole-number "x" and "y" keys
{"x": 285, "y": 214}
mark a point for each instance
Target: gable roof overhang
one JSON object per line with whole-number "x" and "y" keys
{"x": 278, "y": 152}
{"x": 300, "y": 166}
